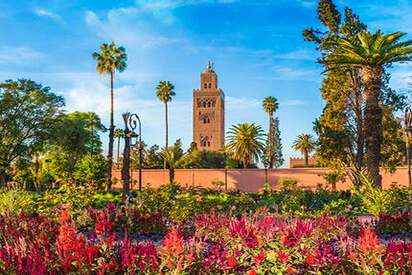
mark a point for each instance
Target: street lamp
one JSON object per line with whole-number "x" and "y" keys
{"x": 132, "y": 121}
{"x": 408, "y": 131}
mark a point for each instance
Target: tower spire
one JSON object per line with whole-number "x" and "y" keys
{"x": 210, "y": 65}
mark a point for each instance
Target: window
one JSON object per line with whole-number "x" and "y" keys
{"x": 210, "y": 85}
{"x": 204, "y": 104}
{"x": 205, "y": 85}
{"x": 208, "y": 144}
{"x": 209, "y": 104}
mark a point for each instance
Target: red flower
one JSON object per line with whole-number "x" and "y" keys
{"x": 283, "y": 257}
{"x": 173, "y": 242}
{"x": 64, "y": 217}
{"x": 310, "y": 260}
{"x": 290, "y": 270}
{"x": 260, "y": 257}
{"x": 231, "y": 262}
{"x": 252, "y": 272}
{"x": 368, "y": 241}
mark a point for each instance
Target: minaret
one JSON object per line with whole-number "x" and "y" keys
{"x": 209, "y": 112}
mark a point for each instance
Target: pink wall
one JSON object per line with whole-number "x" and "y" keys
{"x": 250, "y": 180}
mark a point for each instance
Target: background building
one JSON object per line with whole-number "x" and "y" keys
{"x": 209, "y": 112}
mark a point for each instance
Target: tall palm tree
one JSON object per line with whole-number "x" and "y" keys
{"x": 245, "y": 143}
{"x": 165, "y": 92}
{"x": 270, "y": 105}
{"x": 109, "y": 60}
{"x": 371, "y": 53}
{"x": 305, "y": 144}
{"x": 118, "y": 133}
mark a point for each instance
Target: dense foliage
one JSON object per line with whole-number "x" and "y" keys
{"x": 346, "y": 121}
{"x": 28, "y": 115}
{"x": 89, "y": 234}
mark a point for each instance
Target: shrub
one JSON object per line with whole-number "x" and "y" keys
{"x": 91, "y": 171}
{"x": 374, "y": 200}
{"x": 12, "y": 200}
{"x": 288, "y": 183}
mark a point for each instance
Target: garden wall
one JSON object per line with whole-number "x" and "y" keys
{"x": 249, "y": 180}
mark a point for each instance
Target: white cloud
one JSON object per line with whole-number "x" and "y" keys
{"x": 114, "y": 28}
{"x": 171, "y": 4}
{"x": 49, "y": 14}
{"x": 307, "y": 3}
{"x": 18, "y": 55}
{"x": 90, "y": 93}
{"x": 291, "y": 73}
{"x": 298, "y": 55}
{"x": 401, "y": 76}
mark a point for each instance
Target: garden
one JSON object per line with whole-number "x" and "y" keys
{"x": 60, "y": 211}
{"x": 172, "y": 230}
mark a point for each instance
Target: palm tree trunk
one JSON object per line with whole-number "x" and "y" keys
{"x": 118, "y": 152}
{"x": 111, "y": 134}
{"x": 2, "y": 180}
{"x": 171, "y": 175}
{"x": 270, "y": 140}
{"x": 167, "y": 131}
{"x": 306, "y": 156}
{"x": 373, "y": 122}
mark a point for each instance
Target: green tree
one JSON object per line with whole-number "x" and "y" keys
{"x": 371, "y": 53}
{"x": 153, "y": 158}
{"x": 74, "y": 136}
{"x": 340, "y": 128}
{"x": 245, "y": 143}
{"x": 165, "y": 92}
{"x": 118, "y": 133}
{"x": 273, "y": 149}
{"x": 28, "y": 114}
{"x": 109, "y": 60}
{"x": 305, "y": 144}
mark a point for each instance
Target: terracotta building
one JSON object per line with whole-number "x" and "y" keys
{"x": 209, "y": 112}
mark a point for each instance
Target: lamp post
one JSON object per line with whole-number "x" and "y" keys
{"x": 132, "y": 121}
{"x": 408, "y": 131}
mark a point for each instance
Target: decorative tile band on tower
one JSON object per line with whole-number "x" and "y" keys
{"x": 209, "y": 112}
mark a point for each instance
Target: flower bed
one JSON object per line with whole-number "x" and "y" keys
{"x": 213, "y": 243}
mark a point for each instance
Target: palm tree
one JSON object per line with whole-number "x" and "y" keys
{"x": 245, "y": 143}
{"x": 270, "y": 105}
{"x": 109, "y": 60}
{"x": 305, "y": 144}
{"x": 371, "y": 53}
{"x": 118, "y": 133}
{"x": 172, "y": 156}
{"x": 165, "y": 92}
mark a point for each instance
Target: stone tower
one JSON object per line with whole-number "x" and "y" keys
{"x": 209, "y": 112}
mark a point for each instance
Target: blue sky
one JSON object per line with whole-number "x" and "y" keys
{"x": 256, "y": 46}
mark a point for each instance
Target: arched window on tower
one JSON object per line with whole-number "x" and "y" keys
{"x": 204, "y": 104}
{"x": 205, "y": 85}
{"x": 210, "y": 85}
{"x": 209, "y": 104}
